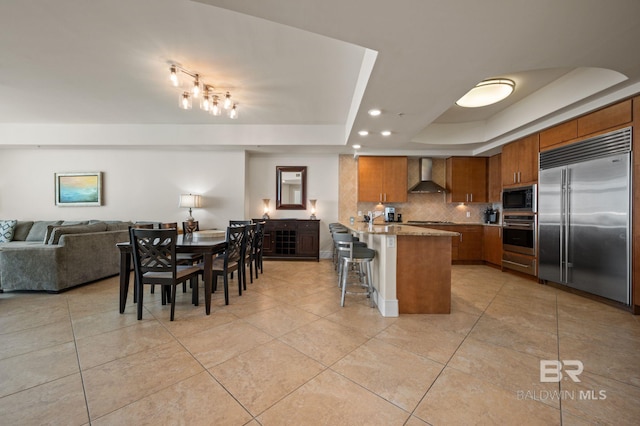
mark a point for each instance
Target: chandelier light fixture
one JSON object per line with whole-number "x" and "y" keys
{"x": 487, "y": 92}
{"x": 211, "y": 100}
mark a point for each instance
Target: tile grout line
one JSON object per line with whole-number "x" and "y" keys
{"x": 75, "y": 344}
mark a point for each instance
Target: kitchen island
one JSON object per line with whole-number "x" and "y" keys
{"x": 412, "y": 268}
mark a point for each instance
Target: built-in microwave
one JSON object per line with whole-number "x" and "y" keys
{"x": 521, "y": 199}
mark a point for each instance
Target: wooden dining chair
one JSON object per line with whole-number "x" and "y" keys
{"x": 182, "y": 258}
{"x": 190, "y": 227}
{"x": 154, "y": 254}
{"x": 229, "y": 262}
{"x": 258, "y": 242}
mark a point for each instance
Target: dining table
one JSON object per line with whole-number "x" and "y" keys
{"x": 208, "y": 245}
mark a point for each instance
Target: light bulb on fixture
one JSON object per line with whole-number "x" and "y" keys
{"x": 173, "y": 75}
{"x": 215, "y": 107}
{"x": 185, "y": 101}
{"x": 265, "y": 202}
{"x": 196, "y": 86}
{"x": 205, "y": 102}
{"x": 227, "y": 101}
{"x": 233, "y": 114}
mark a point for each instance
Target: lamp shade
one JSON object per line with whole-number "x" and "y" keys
{"x": 190, "y": 201}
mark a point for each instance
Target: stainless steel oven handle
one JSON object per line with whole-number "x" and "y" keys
{"x": 516, "y": 263}
{"x": 519, "y": 225}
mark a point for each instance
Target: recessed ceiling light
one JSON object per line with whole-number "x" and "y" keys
{"x": 363, "y": 132}
{"x": 385, "y": 132}
{"x": 487, "y": 92}
{"x": 374, "y": 112}
{"x": 356, "y": 146}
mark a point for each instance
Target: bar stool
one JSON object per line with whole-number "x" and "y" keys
{"x": 350, "y": 254}
{"x": 340, "y": 237}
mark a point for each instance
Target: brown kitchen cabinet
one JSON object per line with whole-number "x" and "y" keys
{"x": 520, "y": 161}
{"x": 468, "y": 246}
{"x": 292, "y": 239}
{"x": 494, "y": 179}
{"x": 382, "y": 179}
{"x": 492, "y": 244}
{"x": 466, "y": 179}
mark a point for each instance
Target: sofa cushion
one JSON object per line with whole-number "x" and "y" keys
{"x": 120, "y": 226}
{"x": 39, "y": 230}
{"x": 22, "y": 230}
{"x": 59, "y": 231}
{"x": 74, "y": 222}
{"x": 7, "y": 228}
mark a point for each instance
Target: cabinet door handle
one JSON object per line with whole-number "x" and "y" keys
{"x": 385, "y": 197}
{"x": 381, "y": 197}
{"x": 519, "y": 178}
{"x": 461, "y": 237}
{"x": 472, "y": 197}
{"x": 514, "y": 178}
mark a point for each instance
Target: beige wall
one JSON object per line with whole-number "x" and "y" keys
{"x": 418, "y": 206}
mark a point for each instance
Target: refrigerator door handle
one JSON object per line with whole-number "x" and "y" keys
{"x": 563, "y": 181}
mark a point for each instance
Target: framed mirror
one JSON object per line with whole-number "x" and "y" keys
{"x": 291, "y": 187}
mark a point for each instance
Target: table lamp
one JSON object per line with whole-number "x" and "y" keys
{"x": 190, "y": 201}
{"x": 313, "y": 209}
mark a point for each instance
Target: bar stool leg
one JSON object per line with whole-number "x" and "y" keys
{"x": 343, "y": 281}
{"x": 370, "y": 282}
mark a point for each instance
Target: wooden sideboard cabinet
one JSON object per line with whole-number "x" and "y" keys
{"x": 296, "y": 239}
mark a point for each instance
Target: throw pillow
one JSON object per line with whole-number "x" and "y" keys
{"x": 6, "y": 230}
{"x": 39, "y": 229}
{"x": 22, "y": 230}
{"x": 59, "y": 231}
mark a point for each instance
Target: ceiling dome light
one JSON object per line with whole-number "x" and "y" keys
{"x": 487, "y": 92}
{"x": 385, "y": 133}
{"x": 363, "y": 132}
{"x": 374, "y": 112}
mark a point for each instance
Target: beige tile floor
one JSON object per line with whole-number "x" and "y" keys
{"x": 285, "y": 352}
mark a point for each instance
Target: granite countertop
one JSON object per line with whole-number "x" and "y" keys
{"x": 394, "y": 229}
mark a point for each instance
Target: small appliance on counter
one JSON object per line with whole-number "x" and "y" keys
{"x": 389, "y": 214}
{"x": 490, "y": 215}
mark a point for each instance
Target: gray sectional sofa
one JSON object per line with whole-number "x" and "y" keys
{"x": 53, "y": 256}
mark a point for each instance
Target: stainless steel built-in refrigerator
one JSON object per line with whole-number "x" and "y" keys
{"x": 584, "y": 215}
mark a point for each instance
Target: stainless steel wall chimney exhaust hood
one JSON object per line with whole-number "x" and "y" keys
{"x": 426, "y": 184}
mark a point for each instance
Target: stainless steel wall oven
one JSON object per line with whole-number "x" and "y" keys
{"x": 519, "y": 233}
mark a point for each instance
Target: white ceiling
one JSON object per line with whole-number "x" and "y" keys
{"x": 305, "y": 72}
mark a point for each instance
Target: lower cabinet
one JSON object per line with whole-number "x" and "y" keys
{"x": 468, "y": 246}
{"x": 492, "y": 245}
{"x": 292, "y": 239}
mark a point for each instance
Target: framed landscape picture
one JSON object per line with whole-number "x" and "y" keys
{"x": 79, "y": 189}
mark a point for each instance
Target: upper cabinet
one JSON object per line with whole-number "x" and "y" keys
{"x": 382, "y": 179}
{"x": 606, "y": 119}
{"x": 520, "y": 161}
{"x": 494, "y": 179}
{"x": 466, "y": 180}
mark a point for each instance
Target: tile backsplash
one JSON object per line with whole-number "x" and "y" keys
{"x": 417, "y": 207}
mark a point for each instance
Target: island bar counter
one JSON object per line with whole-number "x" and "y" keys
{"x": 412, "y": 268}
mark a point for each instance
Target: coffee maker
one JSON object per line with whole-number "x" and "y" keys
{"x": 389, "y": 214}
